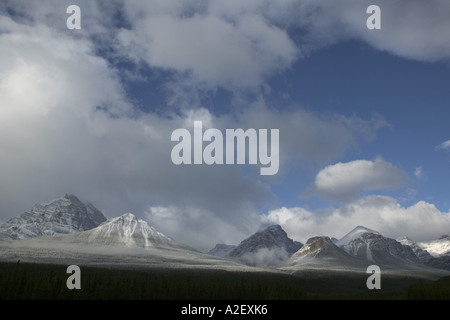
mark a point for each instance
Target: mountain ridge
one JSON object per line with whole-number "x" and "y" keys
{"x": 67, "y": 220}
{"x": 320, "y": 247}
{"x": 271, "y": 237}
{"x": 66, "y": 214}
{"x": 124, "y": 231}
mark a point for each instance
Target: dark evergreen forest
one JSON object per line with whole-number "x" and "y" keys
{"x": 27, "y": 281}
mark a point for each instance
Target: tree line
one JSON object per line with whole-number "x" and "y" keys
{"x": 27, "y": 281}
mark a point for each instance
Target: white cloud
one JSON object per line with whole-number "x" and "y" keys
{"x": 199, "y": 228}
{"x": 55, "y": 140}
{"x": 407, "y": 26}
{"x": 444, "y": 145}
{"x": 213, "y": 50}
{"x": 344, "y": 181}
{"x": 266, "y": 258}
{"x": 405, "y": 31}
{"x": 418, "y": 172}
{"x": 307, "y": 136}
{"x": 421, "y": 221}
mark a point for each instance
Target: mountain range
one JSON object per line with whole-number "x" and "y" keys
{"x": 71, "y": 230}
{"x": 359, "y": 247}
{"x": 123, "y": 231}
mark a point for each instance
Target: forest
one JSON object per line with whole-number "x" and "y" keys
{"x": 27, "y": 281}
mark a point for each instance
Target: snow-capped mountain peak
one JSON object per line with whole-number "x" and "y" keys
{"x": 379, "y": 249}
{"x": 66, "y": 214}
{"x": 128, "y": 230}
{"x": 313, "y": 246}
{"x": 270, "y": 247}
{"x": 321, "y": 248}
{"x": 356, "y": 233}
{"x": 437, "y": 247}
{"x": 423, "y": 255}
{"x": 273, "y": 237}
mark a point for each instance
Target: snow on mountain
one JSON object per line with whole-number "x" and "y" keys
{"x": 272, "y": 237}
{"x": 369, "y": 244}
{"x": 380, "y": 250}
{"x": 222, "y": 250}
{"x": 437, "y": 247}
{"x": 63, "y": 215}
{"x": 270, "y": 247}
{"x": 440, "y": 262}
{"x": 423, "y": 255}
{"x": 322, "y": 248}
{"x": 354, "y": 234}
{"x": 358, "y": 249}
{"x": 123, "y": 231}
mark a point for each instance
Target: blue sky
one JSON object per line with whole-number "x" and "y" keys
{"x": 362, "y": 113}
{"x": 413, "y": 97}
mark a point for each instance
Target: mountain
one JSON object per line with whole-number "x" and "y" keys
{"x": 120, "y": 242}
{"x": 380, "y": 250}
{"x": 269, "y": 247}
{"x": 370, "y": 245}
{"x": 437, "y": 261}
{"x": 60, "y": 216}
{"x": 423, "y": 255}
{"x": 359, "y": 248}
{"x": 354, "y": 234}
{"x": 221, "y": 250}
{"x": 273, "y": 237}
{"x": 321, "y": 247}
{"x": 123, "y": 231}
{"x": 437, "y": 247}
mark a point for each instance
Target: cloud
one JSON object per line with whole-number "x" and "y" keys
{"x": 405, "y": 26}
{"x": 200, "y": 228}
{"x": 68, "y": 125}
{"x": 418, "y": 172}
{"x": 210, "y": 49}
{"x": 266, "y": 258}
{"x": 406, "y": 29}
{"x": 306, "y": 136}
{"x": 421, "y": 221}
{"x": 344, "y": 181}
{"x": 239, "y": 45}
{"x": 202, "y": 201}
{"x": 444, "y": 145}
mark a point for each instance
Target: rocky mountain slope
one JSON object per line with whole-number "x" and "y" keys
{"x": 322, "y": 248}
{"x": 435, "y": 261}
{"x": 123, "y": 231}
{"x": 222, "y": 250}
{"x": 380, "y": 250}
{"x": 354, "y": 234}
{"x": 437, "y": 247}
{"x": 63, "y": 215}
{"x": 273, "y": 237}
{"x": 359, "y": 248}
{"x": 270, "y": 247}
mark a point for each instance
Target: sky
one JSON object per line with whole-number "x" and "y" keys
{"x": 362, "y": 113}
